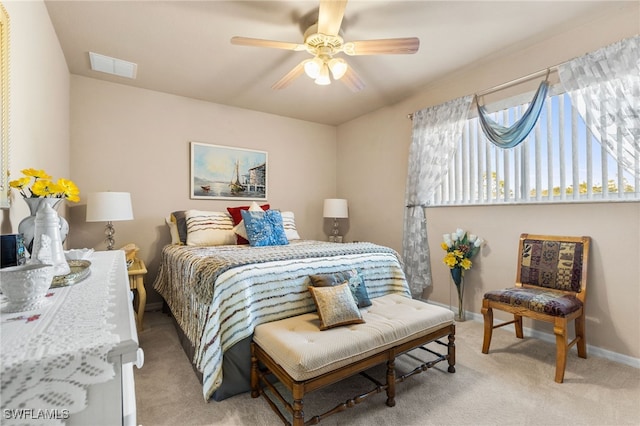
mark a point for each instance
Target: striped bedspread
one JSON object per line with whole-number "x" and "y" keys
{"x": 219, "y": 294}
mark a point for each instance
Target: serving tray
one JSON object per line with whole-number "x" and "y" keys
{"x": 79, "y": 271}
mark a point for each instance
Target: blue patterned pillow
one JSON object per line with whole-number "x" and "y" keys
{"x": 264, "y": 228}
{"x": 355, "y": 280}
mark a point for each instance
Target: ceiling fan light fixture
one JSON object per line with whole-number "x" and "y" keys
{"x": 322, "y": 41}
{"x": 338, "y": 67}
{"x": 323, "y": 79}
{"x": 313, "y": 67}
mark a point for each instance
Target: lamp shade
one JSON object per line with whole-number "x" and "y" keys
{"x": 336, "y": 208}
{"x": 338, "y": 67}
{"x": 109, "y": 207}
{"x": 323, "y": 77}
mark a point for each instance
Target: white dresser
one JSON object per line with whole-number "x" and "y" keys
{"x": 71, "y": 361}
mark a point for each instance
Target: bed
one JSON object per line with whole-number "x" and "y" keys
{"x": 218, "y": 294}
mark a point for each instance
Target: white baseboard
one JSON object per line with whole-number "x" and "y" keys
{"x": 592, "y": 350}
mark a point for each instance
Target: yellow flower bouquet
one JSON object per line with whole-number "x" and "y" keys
{"x": 460, "y": 248}
{"x": 38, "y": 184}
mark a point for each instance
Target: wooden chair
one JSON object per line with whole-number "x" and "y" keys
{"x": 551, "y": 285}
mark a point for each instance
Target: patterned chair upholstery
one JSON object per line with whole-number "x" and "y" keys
{"x": 550, "y": 286}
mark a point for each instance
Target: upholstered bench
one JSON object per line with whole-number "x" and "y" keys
{"x": 304, "y": 358}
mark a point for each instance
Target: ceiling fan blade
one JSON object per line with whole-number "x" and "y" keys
{"x": 352, "y": 80}
{"x": 290, "y": 76}
{"x": 258, "y": 42}
{"x": 330, "y": 16}
{"x": 389, "y": 46}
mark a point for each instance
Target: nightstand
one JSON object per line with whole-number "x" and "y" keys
{"x": 137, "y": 271}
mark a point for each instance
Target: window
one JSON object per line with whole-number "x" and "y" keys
{"x": 560, "y": 161}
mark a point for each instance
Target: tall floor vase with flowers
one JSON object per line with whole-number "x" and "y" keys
{"x": 460, "y": 248}
{"x": 36, "y": 188}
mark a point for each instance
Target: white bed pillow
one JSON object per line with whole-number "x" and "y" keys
{"x": 206, "y": 228}
{"x": 173, "y": 230}
{"x": 239, "y": 228}
{"x": 289, "y": 223}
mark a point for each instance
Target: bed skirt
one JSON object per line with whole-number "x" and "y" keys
{"x": 235, "y": 365}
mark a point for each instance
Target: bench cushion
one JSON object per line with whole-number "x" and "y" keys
{"x": 304, "y": 352}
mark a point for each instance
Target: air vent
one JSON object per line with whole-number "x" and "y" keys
{"x": 113, "y": 66}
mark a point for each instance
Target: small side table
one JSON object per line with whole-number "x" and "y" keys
{"x": 137, "y": 271}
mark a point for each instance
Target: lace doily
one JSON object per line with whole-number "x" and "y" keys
{"x": 51, "y": 356}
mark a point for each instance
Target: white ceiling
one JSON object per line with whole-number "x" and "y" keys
{"x": 183, "y": 48}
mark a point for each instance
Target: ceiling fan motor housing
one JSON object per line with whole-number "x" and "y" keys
{"x": 322, "y": 44}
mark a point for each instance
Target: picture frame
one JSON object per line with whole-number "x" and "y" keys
{"x": 227, "y": 173}
{"x": 4, "y": 109}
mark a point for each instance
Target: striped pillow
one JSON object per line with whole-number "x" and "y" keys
{"x": 289, "y": 224}
{"x": 209, "y": 228}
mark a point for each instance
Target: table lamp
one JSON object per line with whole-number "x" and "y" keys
{"x": 109, "y": 207}
{"x": 335, "y": 208}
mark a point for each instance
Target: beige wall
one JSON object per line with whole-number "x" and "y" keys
{"x": 372, "y": 164}
{"x": 135, "y": 140}
{"x": 39, "y": 102}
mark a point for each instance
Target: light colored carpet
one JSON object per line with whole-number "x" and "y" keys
{"x": 512, "y": 385}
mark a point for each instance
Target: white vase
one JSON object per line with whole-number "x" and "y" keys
{"x": 457, "y": 276}
{"x": 47, "y": 244}
{"x": 27, "y": 225}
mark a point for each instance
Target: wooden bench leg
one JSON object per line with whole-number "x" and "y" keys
{"x": 391, "y": 381}
{"x": 451, "y": 352}
{"x": 298, "y": 405}
{"x": 487, "y": 313}
{"x": 255, "y": 380}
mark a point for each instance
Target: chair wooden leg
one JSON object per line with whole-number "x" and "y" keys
{"x": 560, "y": 330}
{"x": 518, "y": 326}
{"x": 580, "y": 334}
{"x": 487, "y": 313}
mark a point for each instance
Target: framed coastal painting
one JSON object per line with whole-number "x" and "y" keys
{"x": 4, "y": 108}
{"x": 227, "y": 173}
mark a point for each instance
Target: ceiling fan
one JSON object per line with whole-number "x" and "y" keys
{"x": 322, "y": 40}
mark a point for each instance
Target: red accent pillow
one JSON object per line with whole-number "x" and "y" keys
{"x": 237, "y": 218}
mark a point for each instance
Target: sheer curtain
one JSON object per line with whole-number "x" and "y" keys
{"x": 436, "y": 132}
{"x": 605, "y": 84}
